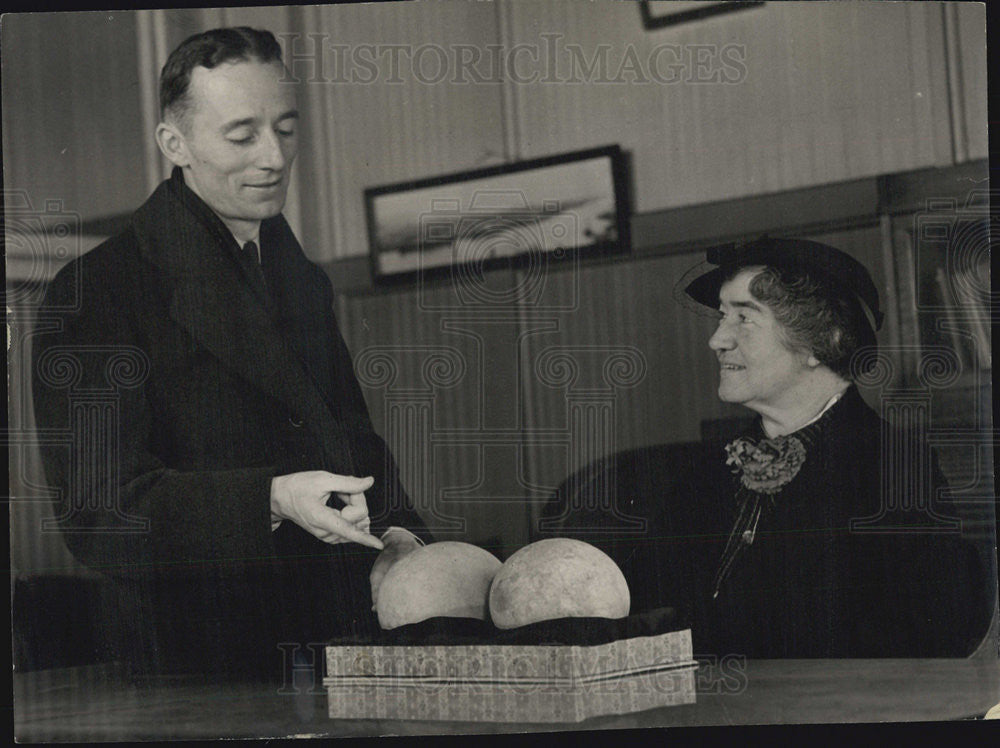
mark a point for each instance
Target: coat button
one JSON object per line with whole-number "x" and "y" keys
{"x": 295, "y": 422}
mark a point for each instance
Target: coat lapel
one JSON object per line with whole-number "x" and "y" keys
{"x": 213, "y": 300}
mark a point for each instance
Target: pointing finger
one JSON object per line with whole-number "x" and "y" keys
{"x": 333, "y": 522}
{"x": 346, "y": 483}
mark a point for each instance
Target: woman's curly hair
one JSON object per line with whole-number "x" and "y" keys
{"x": 825, "y": 321}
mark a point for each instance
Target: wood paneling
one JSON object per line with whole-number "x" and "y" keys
{"x": 32, "y": 551}
{"x": 823, "y": 93}
{"x": 643, "y": 374}
{"x": 503, "y": 437}
{"x": 829, "y": 92}
{"x": 72, "y": 133}
{"x": 457, "y": 376}
{"x": 967, "y": 45}
{"x": 396, "y": 127}
{"x": 800, "y": 210}
{"x": 72, "y": 129}
{"x": 665, "y": 386}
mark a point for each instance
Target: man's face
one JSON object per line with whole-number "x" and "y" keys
{"x": 241, "y": 138}
{"x": 757, "y": 368}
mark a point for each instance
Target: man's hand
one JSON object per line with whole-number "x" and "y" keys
{"x": 397, "y": 544}
{"x": 302, "y": 497}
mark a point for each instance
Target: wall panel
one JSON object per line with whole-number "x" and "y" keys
{"x": 828, "y": 92}
{"x": 638, "y": 354}
{"x": 968, "y": 21}
{"x": 454, "y": 370}
{"x": 816, "y": 107}
{"x": 609, "y": 341}
{"x": 398, "y": 126}
{"x": 72, "y": 127}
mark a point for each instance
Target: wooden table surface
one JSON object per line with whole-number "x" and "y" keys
{"x": 93, "y": 704}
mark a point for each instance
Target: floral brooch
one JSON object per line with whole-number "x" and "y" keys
{"x": 767, "y": 466}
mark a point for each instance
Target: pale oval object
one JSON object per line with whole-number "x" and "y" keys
{"x": 447, "y": 578}
{"x": 557, "y": 578}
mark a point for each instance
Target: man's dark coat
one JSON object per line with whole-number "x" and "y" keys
{"x": 216, "y": 384}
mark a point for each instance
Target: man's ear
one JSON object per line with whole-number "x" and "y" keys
{"x": 812, "y": 361}
{"x": 173, "y": 144}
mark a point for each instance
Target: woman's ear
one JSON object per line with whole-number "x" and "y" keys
{"x": 172, "y": 144}
{"x": 834, "y": 341}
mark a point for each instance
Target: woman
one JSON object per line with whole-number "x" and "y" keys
{"x": 804, "y": 550}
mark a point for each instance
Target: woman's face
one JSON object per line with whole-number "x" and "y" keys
{"x": 758, "y": 369}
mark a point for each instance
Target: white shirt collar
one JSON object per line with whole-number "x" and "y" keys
{"x": 255, "y": 239}
{"x": 830, "y": 403}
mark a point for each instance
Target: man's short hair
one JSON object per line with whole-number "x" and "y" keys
{"x": 209, "y": 49}
{"x": 813, "y": 316}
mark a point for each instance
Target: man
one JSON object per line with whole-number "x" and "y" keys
{"x": 246, "y": 445}
{"x": 817, "y": 554}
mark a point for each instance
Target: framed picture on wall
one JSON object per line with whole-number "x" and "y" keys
{"x": 568, "y": 205}
{"x": 660, "y": 13}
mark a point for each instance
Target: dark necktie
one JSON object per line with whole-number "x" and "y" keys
{"x": 252, "y": 255}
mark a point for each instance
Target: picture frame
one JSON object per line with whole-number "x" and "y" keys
{"x": 570, "y": 205}
{"x": 658, "y": 14}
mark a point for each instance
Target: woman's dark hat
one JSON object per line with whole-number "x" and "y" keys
{"x": 845, "y": 274}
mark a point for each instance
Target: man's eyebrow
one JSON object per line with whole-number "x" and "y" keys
{"x": 290, "y": 114}
{"x": 237, "y": 123}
